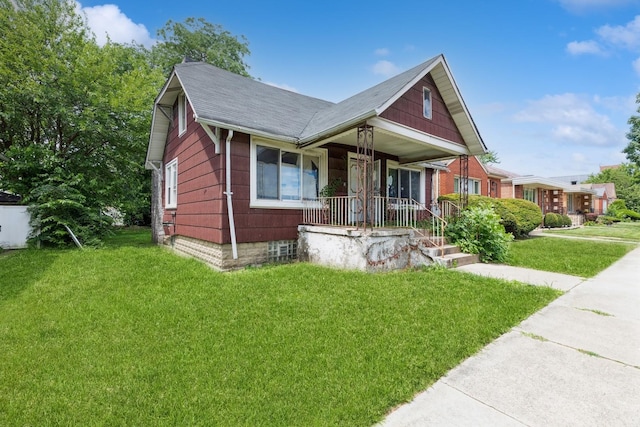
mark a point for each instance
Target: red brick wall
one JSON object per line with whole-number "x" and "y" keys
{"x": 476, "y": 171}
{"x": 408, "y": 110}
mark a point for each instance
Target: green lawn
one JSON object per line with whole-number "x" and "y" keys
{"x": 629, "y": 231}
{"x": 133, "y": 335}
{"x": 583, "y": 258}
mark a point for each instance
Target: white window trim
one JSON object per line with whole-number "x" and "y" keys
{"x": 392, "y": 164}
{"x": 424, "y": 91}
{"x": 282, "y": 204}
{"x": 168, "y": 184}
{"x": 470, "y": 181}
{"x": 182, "y": 114}
{"x": 533, "y": 190}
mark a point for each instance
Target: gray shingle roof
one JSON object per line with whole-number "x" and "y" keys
{"x": 225, "y": 97}
{"x": 364, "y": 103}
{"x": 221, "y": 98}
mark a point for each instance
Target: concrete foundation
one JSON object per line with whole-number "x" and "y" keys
{"x": 372, "y": 250}
{"x": 220, "y": 256}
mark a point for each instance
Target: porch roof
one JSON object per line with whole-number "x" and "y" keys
{"x": 228, "y": 100}
{"x": 538, "y": 182}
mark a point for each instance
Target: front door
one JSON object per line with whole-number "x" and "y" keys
{"x": 356, "y": 201}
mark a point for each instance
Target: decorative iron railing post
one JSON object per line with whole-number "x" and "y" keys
{"x": 464, "y": 181}
{"x": 364, "y": 209}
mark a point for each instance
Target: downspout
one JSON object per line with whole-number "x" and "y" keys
{"x": 229, "y": 193}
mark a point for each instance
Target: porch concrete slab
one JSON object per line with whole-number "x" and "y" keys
{"x": 563, "y": 282}
{"x": 441, "y": 405}
{"x": 607, "y": 336}
{"x": 541, "y": 383}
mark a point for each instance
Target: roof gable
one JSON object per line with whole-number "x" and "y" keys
{"x": 365, "y": 104}
{"x": 225, "y": 97}
{"x": 221, "y": 98}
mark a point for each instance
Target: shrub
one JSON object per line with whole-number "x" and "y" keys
{"x": 552, "y": 220}
{"x": 628, "y": 213}
{"x": 566, "y": 221}
{"x": 478, "y": 231}
{"x": 605, "y": 219}
{"x": 54, "y": 205}
{"x": 519, "y": 217}
{"x": 616, "y": 207}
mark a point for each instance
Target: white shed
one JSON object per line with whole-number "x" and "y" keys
{"x": 14, "y": 227}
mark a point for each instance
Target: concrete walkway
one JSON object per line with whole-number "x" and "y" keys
{"x": 576, "y": 362}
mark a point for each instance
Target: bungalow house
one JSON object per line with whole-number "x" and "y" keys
{"x": 605, "y": 195}
{"x": 550, "y": 194}
{"x": 481, "y": 180}
{"x": 602, "y": 196}
{"x": 249, "y": 173}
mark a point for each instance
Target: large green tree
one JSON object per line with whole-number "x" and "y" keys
{"x": 627, "y": 181}
{"x": 198, "y": 40}
{"x": 74, "y": 118}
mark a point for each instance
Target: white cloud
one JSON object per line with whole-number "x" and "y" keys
{"x": 383, "y": 51}
{"x": 623, "y": 104}
{"x": 571, "y": 118}
{"x": 385, "y": 68}
{"x": 627, "y": 36}
{"x": 578, "y": 158}
{"x": 283, "y": 86}
{"x": 109, "y": 20}
{"x": 579, "y": 48}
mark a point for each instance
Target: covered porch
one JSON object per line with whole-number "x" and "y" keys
{"x": 378, "y": 206}
{"x": 378, "y": 196}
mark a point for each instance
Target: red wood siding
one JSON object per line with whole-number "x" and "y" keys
{"x": 202, "y": 208}
{"x": 255, "y": 225}
{"x": 408, "y": 111}
{"x": 199, "y": 213}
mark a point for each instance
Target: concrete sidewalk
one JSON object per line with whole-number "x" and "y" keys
{"x": 576, "y": 362}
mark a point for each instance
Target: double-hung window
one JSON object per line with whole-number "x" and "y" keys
{"x": 427, "y": 105}
{"x": 530, "y": 194}
{"x": 283, "y": 177}
{"x": 473, "y": 186}
{"x": 182, "y": 114}
{"x": 404, "y": 183}
{"x": 171, "y": 184}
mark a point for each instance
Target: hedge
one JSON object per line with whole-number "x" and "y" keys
{"x": 519, "y": 217}
{"x": 554, "y": 220}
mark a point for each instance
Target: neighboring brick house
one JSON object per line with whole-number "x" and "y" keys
{"x": 483, "y": 180}
{"x": 241, "y": 160}
{"x": 601, "y": 196}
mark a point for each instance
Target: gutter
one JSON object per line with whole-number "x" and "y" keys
{"x": 229, "y": 193}
{"x": 320, "y": 136}
{"x": 243, "y": 129}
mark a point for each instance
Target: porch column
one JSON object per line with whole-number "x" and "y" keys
{"x": 464, "y": 181}
{"x": 364, "y": 203}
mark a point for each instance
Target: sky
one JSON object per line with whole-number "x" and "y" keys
{"x": 550, "y": 84}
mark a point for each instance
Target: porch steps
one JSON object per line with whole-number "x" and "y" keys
{"x": 451, "y": 257}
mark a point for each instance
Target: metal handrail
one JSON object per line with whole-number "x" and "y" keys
{"x": 394, "y": 212}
